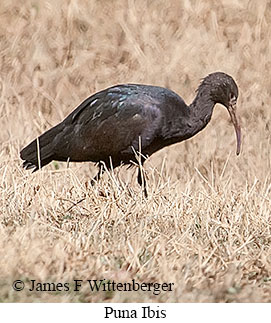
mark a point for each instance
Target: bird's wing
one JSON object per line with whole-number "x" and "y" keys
{"x": 111, "y": 121}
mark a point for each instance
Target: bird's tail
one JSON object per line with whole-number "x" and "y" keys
{"x": 40, "y": 151}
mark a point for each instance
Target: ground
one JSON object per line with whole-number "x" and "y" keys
{"x": 206, "y": 224}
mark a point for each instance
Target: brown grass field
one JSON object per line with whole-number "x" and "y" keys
{"x": 206, "y": 226}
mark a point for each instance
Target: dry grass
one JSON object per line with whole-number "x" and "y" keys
{"x": 206, "y": 224}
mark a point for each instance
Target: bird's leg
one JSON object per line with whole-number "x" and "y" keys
{"x": 142, "y": 180}
{"x": 99, "y": 174}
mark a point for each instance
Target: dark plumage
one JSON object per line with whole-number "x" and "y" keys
{"x": 111, "y": 125}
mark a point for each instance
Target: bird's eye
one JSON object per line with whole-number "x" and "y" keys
{"x": 232, "y": 96}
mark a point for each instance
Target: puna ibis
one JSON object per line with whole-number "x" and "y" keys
{"x": 109, "y": 127}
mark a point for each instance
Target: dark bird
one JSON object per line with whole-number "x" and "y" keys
{"x": 110, "y": 126}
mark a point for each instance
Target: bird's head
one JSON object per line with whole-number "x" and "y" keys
{"x": 224, "y": 90}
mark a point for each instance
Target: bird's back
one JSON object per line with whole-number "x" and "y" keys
{"x": 110, "y": 123}
{"x": 114, "y": 122}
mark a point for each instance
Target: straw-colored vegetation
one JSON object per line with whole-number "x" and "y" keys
{"x": 206, "y": 224}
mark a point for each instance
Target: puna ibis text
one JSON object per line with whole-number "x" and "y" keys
{"x": 144, "y": 312}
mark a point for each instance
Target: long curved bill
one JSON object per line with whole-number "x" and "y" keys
{"x": 237, "y": 127}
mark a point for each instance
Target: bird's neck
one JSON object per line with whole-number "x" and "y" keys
{"x": 201, "y": 109}
{"x": 192, "y": 118}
